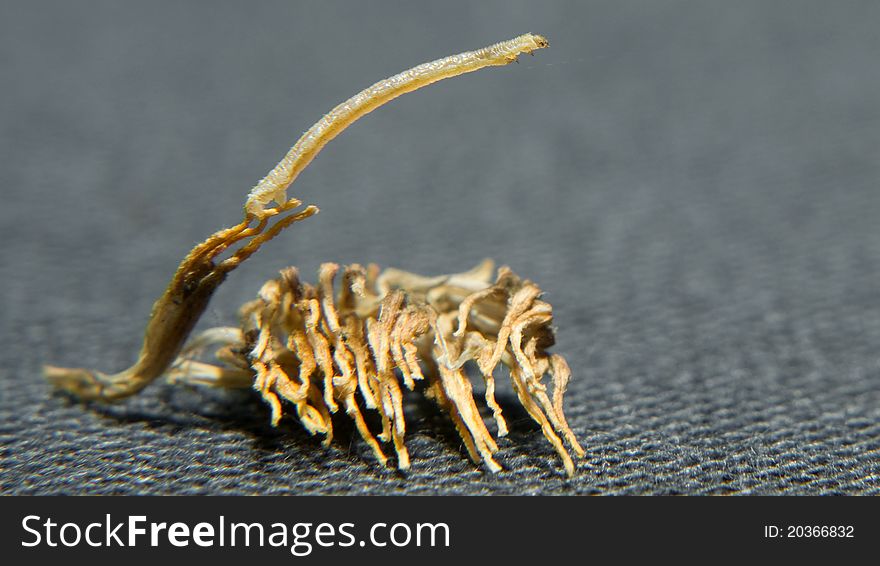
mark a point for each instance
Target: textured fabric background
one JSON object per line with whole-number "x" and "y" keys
{"x": 696, "y": 186}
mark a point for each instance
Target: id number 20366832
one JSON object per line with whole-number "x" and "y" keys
{"x": 809, "y": 531}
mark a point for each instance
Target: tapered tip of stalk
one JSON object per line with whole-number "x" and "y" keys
{"x": 81, "y": 382}
{"x": 540, "y": 41}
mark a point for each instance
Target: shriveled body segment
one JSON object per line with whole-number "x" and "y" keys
{"x": 316, "y": 349}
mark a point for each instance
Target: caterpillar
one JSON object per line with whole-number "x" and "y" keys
{"x": 319, "y": 349}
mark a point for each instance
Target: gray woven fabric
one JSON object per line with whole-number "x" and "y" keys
{"x": 695, "y": 185}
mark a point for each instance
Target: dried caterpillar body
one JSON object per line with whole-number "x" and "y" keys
{"x": 320, "y": 350}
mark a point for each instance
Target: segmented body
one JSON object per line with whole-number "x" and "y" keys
{"x": 316, "y": 350}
